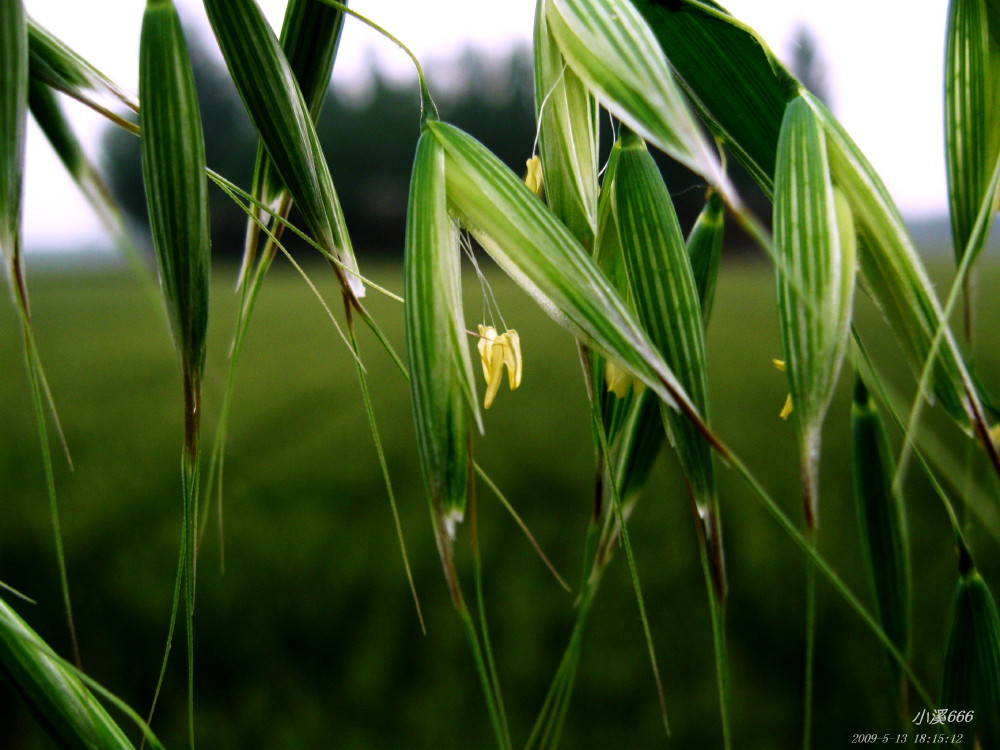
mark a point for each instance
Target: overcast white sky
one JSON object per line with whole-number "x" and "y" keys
{"x": 884, "y": 57}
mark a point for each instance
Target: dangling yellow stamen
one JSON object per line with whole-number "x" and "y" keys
{"x": 779, "y": 364}
{"x": 787, "y": 408}
{"x": 495, "y": 352}
{"x": 533, "y": 179}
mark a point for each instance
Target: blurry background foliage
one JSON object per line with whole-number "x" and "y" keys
{"x": 309, "y": 638}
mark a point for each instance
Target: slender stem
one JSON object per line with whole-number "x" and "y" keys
{"x": 426, "y": 103}
{"x": 633, "y": 570}
{"x": 810, "y": 656}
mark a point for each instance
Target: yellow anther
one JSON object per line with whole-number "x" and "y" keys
{"x": 495, "y": 351}
{"x": 779, "y": 364}
{"x": 533, "y": 179}
{"x": 787, "y": 408}
{"x": 618, "y": 379}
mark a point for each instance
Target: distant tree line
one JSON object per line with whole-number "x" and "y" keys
{"x": 369, "y": 140}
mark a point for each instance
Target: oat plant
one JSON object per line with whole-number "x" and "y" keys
{"x": 592, "y": 236}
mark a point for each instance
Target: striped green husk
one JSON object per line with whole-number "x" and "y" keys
{"x": 611, "y": 48}
{"x": 666, "y": 299}
{"x": 704, "y": 246}
{"x": 617, "y": 411}
{"x": 67, "y": 710}
{"x": 567, "y": 117}
{"x": 971, "y": 672}
{"x": 310, "y": 35}
{"x": 441, "y": 379}
{"x": 881, "y": 521}
{"x": 815, "y": 257}
{"x": 282, "y": 118}
{"x": 13, "y": 116}
{"x": 539, "y": 253}
{"x": 971, "y": 127}
{"x": 173, "y": 164}
{"x": 891, "y": 270}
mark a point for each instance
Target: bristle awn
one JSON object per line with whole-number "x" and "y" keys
{"x": 940, "y": 342}
{"x": 620, "y": 521}
{"x": 384, "y": 466}
{"x": 13, "y": 117}
{"x": 666, "y": 297}
{"x": 173, "y": 161}
{"x": 523, "y": 526}
{"x": 934, "y": 450}
{"x": 53, "y": 689}
{"x": 882, "y": 523}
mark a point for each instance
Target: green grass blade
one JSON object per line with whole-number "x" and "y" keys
{"x": 613, "y": 51}
{"x": 266, "y": 83}
{"x": 567, "y": 117}
{"x": 815, "y": 281}
{"x": 971, "y": 672}
{"x": 541, "y": 255}
{"x": 971, "y": 152}
{"x": 63, "y": 705}
{"x": 735, "y": 81}
{"x": 704, "y": 246}
{"x": 882, "y": 523}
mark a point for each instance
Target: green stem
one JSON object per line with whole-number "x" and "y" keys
{"x": 384, "y": 466}
{"x": 810, "y": 656}
{"x": 36, "y": 381}
{"x": 426, "y": 103}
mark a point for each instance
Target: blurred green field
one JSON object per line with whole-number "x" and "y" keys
{"x": 309, "y": 639}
